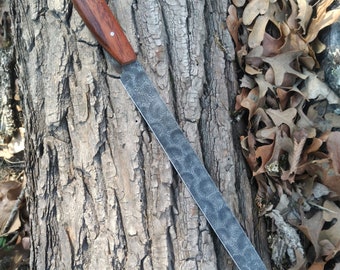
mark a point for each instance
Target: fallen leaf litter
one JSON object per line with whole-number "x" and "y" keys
{"x": 292, "y": 141}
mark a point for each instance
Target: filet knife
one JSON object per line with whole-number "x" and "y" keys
{"x": 101, "y": 22}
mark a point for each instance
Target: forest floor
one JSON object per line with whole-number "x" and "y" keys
{"x": 289, "y": 58}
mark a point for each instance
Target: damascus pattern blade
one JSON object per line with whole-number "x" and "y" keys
{"x": 189, "y": 167}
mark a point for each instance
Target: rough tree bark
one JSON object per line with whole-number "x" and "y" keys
{"x": 102, "y": 194}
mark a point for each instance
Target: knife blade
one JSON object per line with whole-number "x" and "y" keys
{"x": 101, "y": 22}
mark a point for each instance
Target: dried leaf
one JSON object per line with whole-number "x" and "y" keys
{"x": 239, "y": 3}
{"x": 293, "y": 139}
{"x": 241, "y": 53}
{"x": 254, "y": 61}
{"x": 300, "y": 261}
{"x": 263, "y": 85}
{"x": 317, "y": 110}
{"x": 327, "y": 247}
{"x": 313, "y": 147}
{"x": 333, "y": 120}
{"x": 253, "y": 9}
{"x": 305, "y": 122}
{"x": 252, "y": 71}
{"x": 283, "y": 117}
{"x": 315, "y": 88}
{"x": 254, "y": 58}
{"x": 299, "y": 138}
{"x": 333, "y": 147}
{"x": 323, "y": 18}
{"x": 247, "y": 82}
{"x": 298, "y": 98}
{"x": 271, "y": 45}
{"x": 250, "y": 102}
{"x": 320, "y": 190}
{"x": 244, "y": 93}
{"x": 233, "y": 24}
{"x": 323, "y": 168}
{"x": 308, "y": 61}
{"x": 266, "y": 133}
{"x": 304, "y": 14}
{"x": 248, "y": 147}
{"x": 318, "y": 46}
{"x": 311, "y": 228}
{"x": 15, "y": 225}
{"x": 282, "y": 144}
{"x": 261, "y": 117}
{"x": 317, "y": 266}
{"x": 263, "y": 153}
{"x": 257, "y": 34}
{"x": 292, "y": 19}
{"x": 281, "y": 65}
{"x": 26, "y": 243}
{"x": 331, "y": 214}
{"x": 9, "y": 192}
{"x": 293, "y": 41}
{"x": 283, "y": 96}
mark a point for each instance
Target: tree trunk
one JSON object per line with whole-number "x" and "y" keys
{"x": 102, "y": 194}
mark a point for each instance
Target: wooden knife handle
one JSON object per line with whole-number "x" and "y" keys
{"x": 99, "y": 19}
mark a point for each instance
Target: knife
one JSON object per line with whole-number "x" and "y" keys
{"x": 99, "y": 19}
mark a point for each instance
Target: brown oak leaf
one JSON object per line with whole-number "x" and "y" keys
{"x": 281, "y": 65}
{"x": 323, "y": 18}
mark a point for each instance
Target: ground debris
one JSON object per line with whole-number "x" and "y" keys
{"x": 292, "y": 141}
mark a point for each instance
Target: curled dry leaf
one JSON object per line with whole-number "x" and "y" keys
{"x": 312, "y": 148}
{"x": 9, "y": 192}
{"x": 293, "y": 41}
{"x": 271, "y": 45}
{"x": 323, "y": 18}
{"x": 248, "y": 147}
{"x": 331, "y": 214}
{"x": 263, "y": 153}
{"x": 311, "y": 228}
{"x": 253, "y": 9}
{"x": 304, "y": 14}
{"x": 292, "y": 21}
{"x": 233, "y": 24}
{"x": 324, "y": 170}
{"x": 250, "y": 102}
{"x": 259, "y": 29}
{"x": 244, "y": 93}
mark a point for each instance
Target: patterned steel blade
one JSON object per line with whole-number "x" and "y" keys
{"x": 189, "y": 167}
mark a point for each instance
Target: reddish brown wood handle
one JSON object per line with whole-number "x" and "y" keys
{"x": 104, "y": 26}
